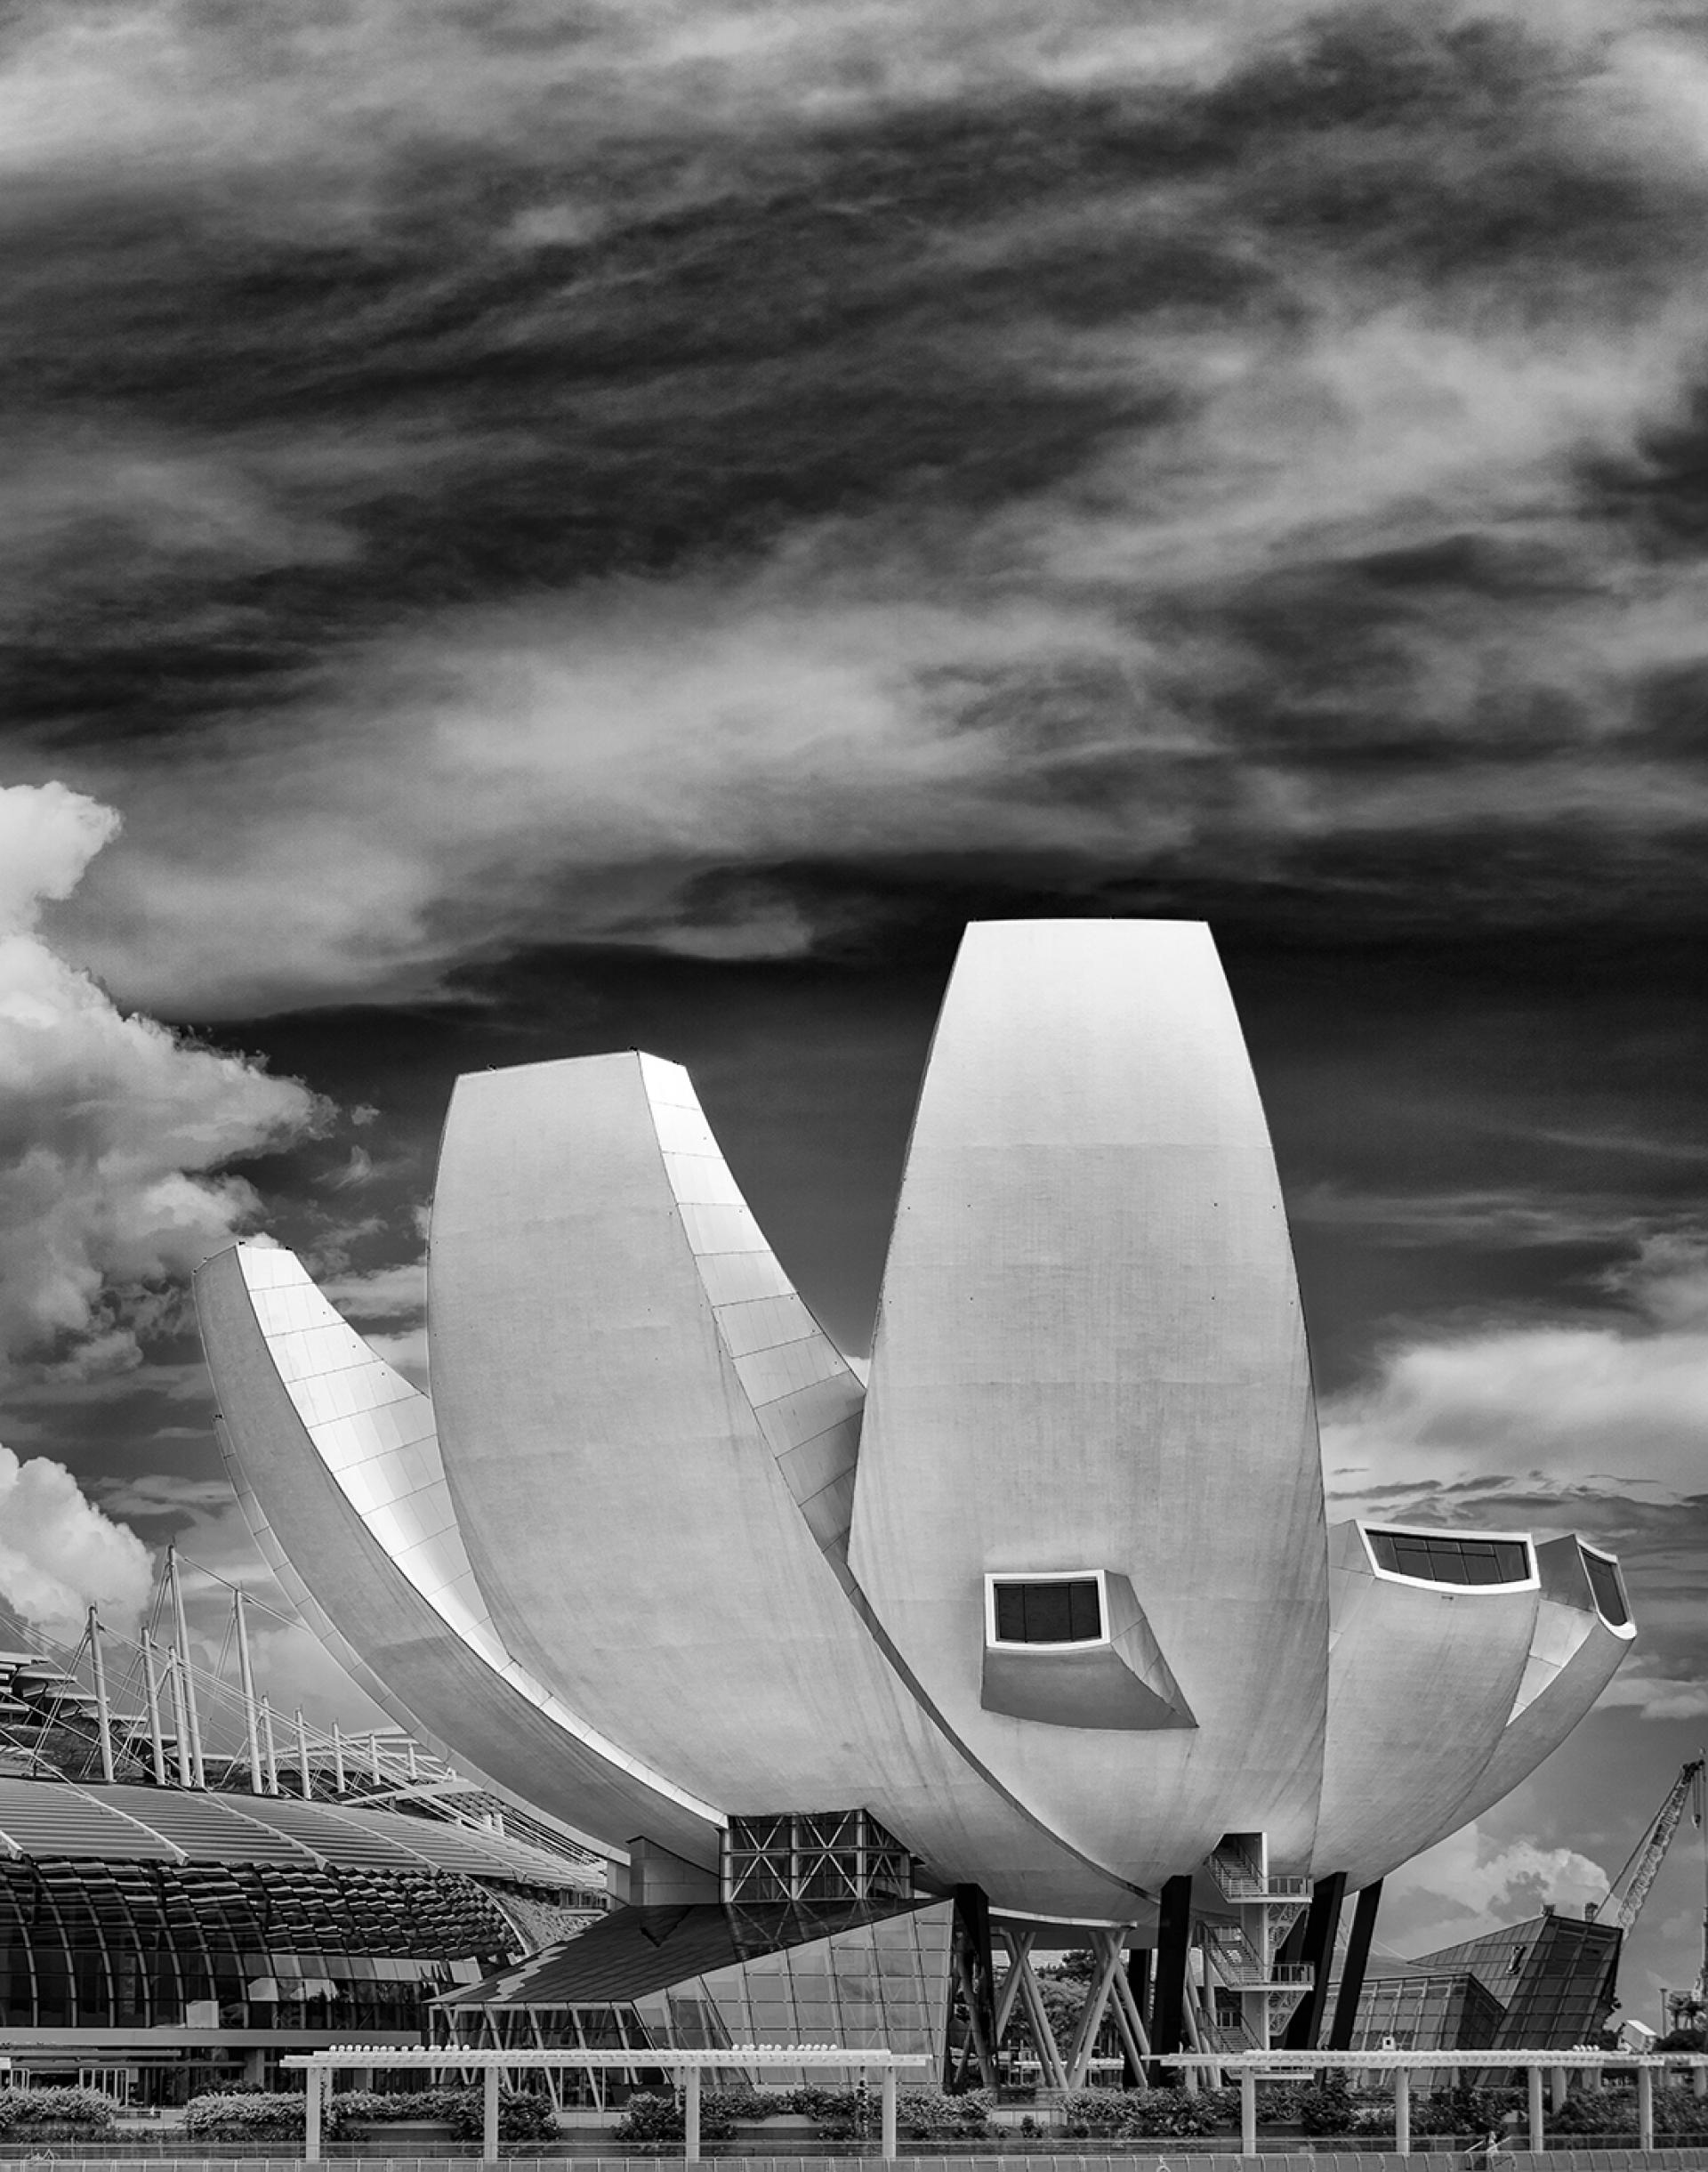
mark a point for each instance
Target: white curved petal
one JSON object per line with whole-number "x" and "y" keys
{"x": 1421, "y": 1678}
{"x": 1090, "y": 1344}
{"x": 648, "y": 1442}
{"x": 336, "y": 1460}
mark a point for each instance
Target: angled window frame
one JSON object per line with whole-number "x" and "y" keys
{"x": 1626, "y": 1625}
{"x": 993, "y": 1579}
{"x": 1380, "y": 1527}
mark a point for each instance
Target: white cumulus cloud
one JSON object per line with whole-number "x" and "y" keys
{"x": 1618, "y": 1398}
{"x": 58, "y": 1554}
{"x": 1470, "y": 1883}
{"x": 115, "y": 1131}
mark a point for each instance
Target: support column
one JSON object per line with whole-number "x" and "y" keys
{"x": 1317, "y": 1951}
{"x": 1173, "y": 1940}
{"x": 1358, "y": 1957}
{"x": 887, "y": 2146}
{"x": 314, "y": 2081}
{"x": 1533, "y": 2082}
{"x": 1402, "y": 2112}
{"x": 691, "y": 2115}
{"x": 489, "y": 2115}
{"x": 1557, "y": 2089}
{"x": 103, "y": 1710}
{"x": 978, "y": 1979}
{"x": 1645, "y": 2107}
{"x": 1137, "y": 2004}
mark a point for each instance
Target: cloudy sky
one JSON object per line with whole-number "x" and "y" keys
{"x": 534, "y": 526}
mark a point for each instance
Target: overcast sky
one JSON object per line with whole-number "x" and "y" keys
{"x": 535, "y": 527}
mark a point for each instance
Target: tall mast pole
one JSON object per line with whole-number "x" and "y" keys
{"x": 191, "y": 1713}
{"x": 103, "y": 1710}
{"x": 303, "y": 1753}
{"x": 247, "y": 1677}
{"x": 180, "y": 1717}
{"x": 269, "y": 1746}
{"x": 151, "y": 1685}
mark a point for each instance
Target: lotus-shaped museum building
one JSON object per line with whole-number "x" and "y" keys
{"x": 1047, "y": 1607}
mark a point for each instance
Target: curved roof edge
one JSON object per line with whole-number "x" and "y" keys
{"x": 417, "y": 1664}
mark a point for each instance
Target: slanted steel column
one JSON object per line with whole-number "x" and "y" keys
{"x": 1138, "y": 2005}
{"x": 103, "y": 1710}
{"x": 1317, "y": 1951}
{"x": 1358, "y": 1956}
{"x": 1173, "y": 1942}
{"x": 152, "y": 1691}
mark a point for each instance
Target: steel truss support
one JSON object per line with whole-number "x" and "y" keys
{"x": 1352, "y": 1968}
{"x": 1020, "y": 1987}
{"x": 1317, "y": 1951}
{"x": 1108, "y": 1984}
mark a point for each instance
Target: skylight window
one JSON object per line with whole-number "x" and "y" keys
{"x": 1443, "y": 1557}
{"x": 1051, "y": 1610}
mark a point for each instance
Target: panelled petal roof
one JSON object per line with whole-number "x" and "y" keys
{"x": 652, "y": 1558}
{"x": 56, "y": 1819}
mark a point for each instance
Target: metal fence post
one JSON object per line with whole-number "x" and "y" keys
{"x": 314, "y": 2081}
{"x": 691, "y": 2115}
{"x": 1247, "y": 2111}
{"x": 1534, "y": 2078}
{"x": 888, "y": 2114}
{"x": 489, "y": 2115}
{"x": 1645, "y": 2107}
{"x": 1402, "y": 2112}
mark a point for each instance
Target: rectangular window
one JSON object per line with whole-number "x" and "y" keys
{"x": 1605, "y": 1587}
{"x": 1064, "y": 1610}
{"x": 1442, "y": 1557}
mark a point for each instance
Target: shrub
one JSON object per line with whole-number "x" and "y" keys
{"x": 523, "y": 2115}
{"x": 1463, "y": 2112}
{"x": 933, "y": 2115}
{"x": 1596, "y": 2112}
{"x": 647, "y": 2117}
{"x": 1325, "y": 2106}
{"x": 78, "y": 2112}
{"x": 1680, "y": 2112}
{"x": 1137, "y": 2113}
{"x": 228, "y": 2115}
{"x": 740, "y": 2101}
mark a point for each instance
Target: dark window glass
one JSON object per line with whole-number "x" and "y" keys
{"x": 1609, "y": 1598}
{"x": 1067, "y": 1612}
{"x": 1441, "y": 1558}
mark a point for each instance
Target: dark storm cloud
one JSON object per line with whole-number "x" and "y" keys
{"x": 599, "y": 474}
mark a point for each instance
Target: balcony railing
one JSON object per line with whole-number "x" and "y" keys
{"x": 1237, "y": 1881}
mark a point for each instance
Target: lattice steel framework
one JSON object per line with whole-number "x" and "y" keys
{"x": 818, "y": 1856}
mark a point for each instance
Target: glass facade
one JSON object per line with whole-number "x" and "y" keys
{"x": 1442, "y": 1557}
{"x": 876, "y": 1984}
{"x": 142, "y": 1945}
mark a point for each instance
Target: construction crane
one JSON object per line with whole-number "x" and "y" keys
{"x": 1629, "y": 1891}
